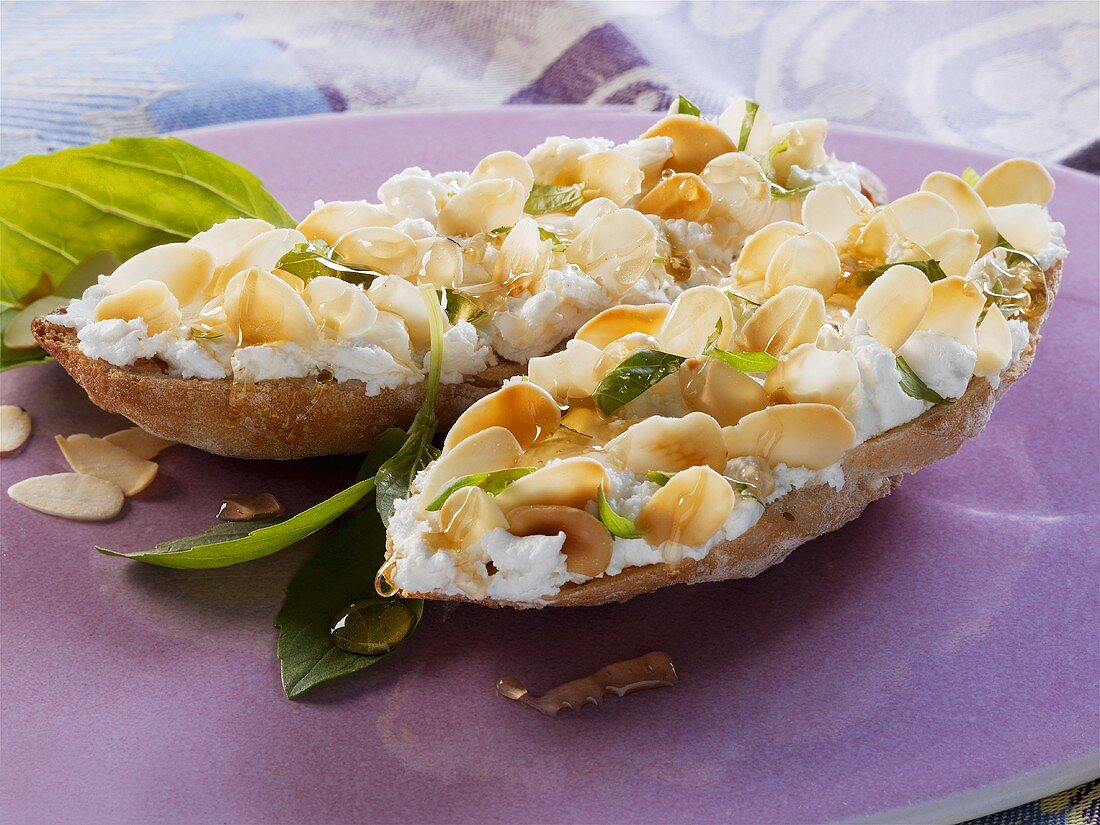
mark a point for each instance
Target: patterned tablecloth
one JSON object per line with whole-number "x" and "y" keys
{"x": 1021, "y": 78}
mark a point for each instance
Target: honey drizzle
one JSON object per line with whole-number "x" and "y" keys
{"x": 653, "y": 670}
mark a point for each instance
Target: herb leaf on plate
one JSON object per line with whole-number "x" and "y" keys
{"x": 123, "y": 196}
{"x": 340, "y": 573}
{"x": 228, "y": 543}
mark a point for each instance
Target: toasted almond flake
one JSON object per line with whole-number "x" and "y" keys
{"x": 572, "y": 482}
{"x": 15, "y": 428}
{"x": 140, "y": 443}
{"x": 688, "y": 510}
{"x": 588, "y": 546}
{"x": 669, "y": 444}
{"x": 798, "y": 435}
{"x": 102, "y": 459}
{"x": 260, "y": 308}
{"x": 184, "y": 268}
{"x": 1018, "y": 180}
{"x": 17, "y": 333}
{"x": 69, "y": 495}
{"x": 152, "y": 301}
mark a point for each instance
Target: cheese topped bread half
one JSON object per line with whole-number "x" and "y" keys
{"x": 263, "y": 342}
{"x": 706, "y": 439}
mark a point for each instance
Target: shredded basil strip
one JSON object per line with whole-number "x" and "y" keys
{"x": 617, "y": 525}
{"x": 686, "y": 107}
{"x": 659, "y": 477}
{"x": 632, "y": 377}
{"x": 931, "y": 269}
{"x": 491, "y": 482}
{"x": 751, "y": 108}
{"x": 914, "y": 387}
{"x": 546, "y": 198}
{"x": 314, "y": 258}
{"x": 744, "y": 361}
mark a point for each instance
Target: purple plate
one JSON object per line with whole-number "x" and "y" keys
{"x": 935, "y": 659}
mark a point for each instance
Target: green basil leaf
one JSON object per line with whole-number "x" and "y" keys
{"x": 932, "y": 270}
{"x": 1014, "y": 256}
{"x": 617, "y": 525}
{"x": 686, "y": 107}
{"x": 313, "y": 258}
{"x": 341, "y": 572}
{"x": 491, "y": 482}
{"x": 659, "y": 477}
{"x": 970, "y": 176}
{"x": 914, "y": 387}
{"x": 544, "y": 198}
{"x": 228, "y": 543}
{"x": 632, "y": 377}
{"x": 123, "y": 196}
{"x": 744, "y": 361}
{"x": 751, "y": 108}
{"x": 779, "y": 192}
{"x": 461, "y": 308}
{"x": 396, "y": 475}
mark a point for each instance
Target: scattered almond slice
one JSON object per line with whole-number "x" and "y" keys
{"x": 17, "y": 332}
{"x": 70, "y": 495}
{"x": 15, "y": 428}
{"x": 139, "y": 442}
{"x": 102, "y": 459}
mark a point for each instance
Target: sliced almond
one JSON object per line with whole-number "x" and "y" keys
{"x": 695, "y": 142}
{"x": 185, "y": 269}
{"x": 15, "y": 428}
{"x": 806, "y": 260}
{"x": 262, "y": 309}
{"x": 330, "y": 221}
{"x": 805, "y": 141}
{"x": 791, "y": 317}
{"x": 1016, "y": 181}
{"x": 833, "y": 208}
{"x": 503, "y": 165}
{"x": 732, "y": 121}
{"x": 263, "y": 251}
{"x": 894, "y": 304}
{"x": 723, "y": 392}
{"x": 798, "y": 435}
{"x": 69, "y": 495}
{"x": 955, "y": 250}
{"x": 482, "y": 207}
{"x": 572, "y": 482}
{"x": 689, "y": 509}
{"x": 150, "y": 301}
{"x": 809, "y": 374}
{"x": 669, "y": 444}
{"x": 1024, "y": 225}
{"x": 568, "y": 374}
{"x": 494, "y": 448}
{"x": 224, "y": 239}
{"x": 527, "y": 410}
{"x": 994, "y": 343}
{"x": 968, "y": 204}
{"x": 916, "y": 218}
{"x": 694, "y": 318}
{"x": 588, "y": 545}
{"x": 956, "y": 305}
{"x": 681, "y": 196}
{"x": 610, "y": 174}
{"x": 465, "y": 517}
{"x": 341, "y": 310}
{"x": 140, "y": 443}
{"x": 102, "y": 459}
{"x": 381, "y": 248}
{"x": 616, "y": 249}
{"x": 756, "y": 255}
{"x": 612, "y": 324}
{"x": 17, "y": 332}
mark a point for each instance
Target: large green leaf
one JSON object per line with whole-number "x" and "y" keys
{"x": 340, "y": 573}
{"x": 228, "y": 543}
{"x": 123, "y": 196}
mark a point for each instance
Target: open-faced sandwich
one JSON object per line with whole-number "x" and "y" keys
{"x": 265, "y": 342}
{"x": 707, "y": 439}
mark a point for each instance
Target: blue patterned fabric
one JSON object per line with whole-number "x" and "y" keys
{"x": 1020, "y": 78}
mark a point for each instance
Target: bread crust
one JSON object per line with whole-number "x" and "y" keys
{"x": 284, "y": 419}
{"x": 871, "y": 470}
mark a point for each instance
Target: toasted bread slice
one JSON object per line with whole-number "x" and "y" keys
{"x": 282, "y": 419}
{"x": 871, "y": 470}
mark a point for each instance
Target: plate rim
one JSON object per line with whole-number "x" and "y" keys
{"x": 629, "y": 111}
